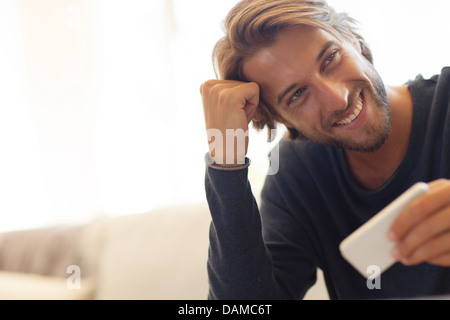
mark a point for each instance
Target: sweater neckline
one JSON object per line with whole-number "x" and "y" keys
{"x": 402, "y": 174}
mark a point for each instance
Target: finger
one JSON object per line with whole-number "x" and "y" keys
{"x": 425, "y": 231}
{"x": 208, "y": 85}
{"x": 443, "y": 260}
{"x": 229, "y": 104}
{"x": 432, "y": 250}
{"x": 251, "y": 94}
{"x": 437, "y": 197}
{"x": 228, "y": 89}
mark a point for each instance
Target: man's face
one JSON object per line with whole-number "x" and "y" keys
{"x": 324, "y": 88}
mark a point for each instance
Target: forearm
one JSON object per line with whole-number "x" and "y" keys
{"x": 239, "y": 265}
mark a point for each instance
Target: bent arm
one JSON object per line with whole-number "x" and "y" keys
{"x": 239, "y": 265}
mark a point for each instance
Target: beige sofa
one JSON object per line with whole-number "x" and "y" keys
{"x": 159, "y": 255}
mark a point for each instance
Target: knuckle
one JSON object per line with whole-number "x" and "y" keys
{"x": 425, "y": 229}
{"x": 431, "y": 248}
{"x": 206, "y": 86}
{"x": 224, "y": 95}
{"x": 418, "y": 209}
{"x": 440, "y": 183}
{"x": 254, "y": 86}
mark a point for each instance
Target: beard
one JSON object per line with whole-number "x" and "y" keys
{"x": 377, "y": 132}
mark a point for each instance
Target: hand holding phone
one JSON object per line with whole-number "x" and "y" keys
{"x": 369, "y": 245}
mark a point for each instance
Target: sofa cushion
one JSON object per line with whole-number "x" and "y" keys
{"x": 157, "y": 255}
{"x": 44, "y": 251}
{"x": 26, "y": 286}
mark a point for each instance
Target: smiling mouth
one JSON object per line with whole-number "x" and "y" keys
{"x": 356, "y": 112}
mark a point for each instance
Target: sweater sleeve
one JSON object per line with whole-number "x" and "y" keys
{"x": 239, "y": 265}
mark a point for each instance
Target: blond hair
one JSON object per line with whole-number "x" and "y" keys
{"x": 254, "y": 24}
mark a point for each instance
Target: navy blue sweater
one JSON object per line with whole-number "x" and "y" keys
{"x": 272, "y": 251}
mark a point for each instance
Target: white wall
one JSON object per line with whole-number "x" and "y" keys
{"x": 100, "y": 112}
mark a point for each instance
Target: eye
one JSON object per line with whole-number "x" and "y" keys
{"x": 330, "y": 59}
{"x": 297, "y": 95}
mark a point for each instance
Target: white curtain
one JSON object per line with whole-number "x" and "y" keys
{"x": 100, "y": 111}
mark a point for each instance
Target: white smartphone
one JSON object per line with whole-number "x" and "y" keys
{"x": 369, "y": 245}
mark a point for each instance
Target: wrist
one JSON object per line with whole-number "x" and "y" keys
{"x": 226, "y": 167}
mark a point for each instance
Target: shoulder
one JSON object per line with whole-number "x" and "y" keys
{"x": 301, "y": 162}
{"x": 445, "y": 75}
{"x": 431, "y": 97}
{"x": 424, "y": 90}
{"x": 301, "y": 152}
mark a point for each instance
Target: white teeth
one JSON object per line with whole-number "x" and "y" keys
{"x": 355, "y": 114}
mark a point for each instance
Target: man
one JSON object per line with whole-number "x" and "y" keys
{"x": 354, "y": 146}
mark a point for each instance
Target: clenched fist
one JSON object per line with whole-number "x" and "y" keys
{"x": 229, "y": 106}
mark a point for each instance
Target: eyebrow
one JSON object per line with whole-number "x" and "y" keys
{"x": 319, "y": 57}
{"x": 325, "y": 49}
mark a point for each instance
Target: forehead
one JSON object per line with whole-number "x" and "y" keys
{"x": 293, "y": 55}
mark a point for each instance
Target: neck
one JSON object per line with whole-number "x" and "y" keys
{"x": 372, "y": 170}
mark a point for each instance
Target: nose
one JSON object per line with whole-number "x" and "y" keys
{"x": 333, "y": 94}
